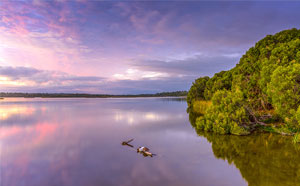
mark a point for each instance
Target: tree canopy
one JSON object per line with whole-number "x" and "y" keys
{"x": 263, "y": 86}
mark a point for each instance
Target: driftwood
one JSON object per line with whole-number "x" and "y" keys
{"x": 127, "y": 143}
{"x": 256, "y": 121}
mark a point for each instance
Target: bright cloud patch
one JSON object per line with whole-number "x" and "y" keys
{"x": 135, "y": 74}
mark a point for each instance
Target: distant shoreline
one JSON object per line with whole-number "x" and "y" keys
{"x": 75, "y": 95}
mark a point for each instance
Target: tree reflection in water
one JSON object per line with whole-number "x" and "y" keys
{"x": 264, "y": 159}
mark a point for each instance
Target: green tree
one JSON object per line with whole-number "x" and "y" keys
{"x": 284, "y": 90}
{"x": 266, "y": 77}
{"x": 196, "y": 91}
{"x": 253, "y": 72}
{"x": 219, "y": 81}
{"x": 226, "y": 114}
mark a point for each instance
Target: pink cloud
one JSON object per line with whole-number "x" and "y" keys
{"x": 19, "y": 17}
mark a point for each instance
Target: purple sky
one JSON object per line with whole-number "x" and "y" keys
{"x": 129, "y": 47}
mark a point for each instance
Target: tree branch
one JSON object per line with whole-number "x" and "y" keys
{"x": 255, "y": 118}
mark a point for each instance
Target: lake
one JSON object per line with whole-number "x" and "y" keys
{"x": 77, "y": 142}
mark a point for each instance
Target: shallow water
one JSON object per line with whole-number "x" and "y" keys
{"x": 76, "y": 142}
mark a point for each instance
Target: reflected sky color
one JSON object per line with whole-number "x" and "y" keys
{"x": 128, "y": 47}
{"x": 70, "y": 142}
{"x": 136, "y": 117}
{"x": 8, "y": 112}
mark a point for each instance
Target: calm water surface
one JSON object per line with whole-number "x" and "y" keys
{"x": 77, "y": 142}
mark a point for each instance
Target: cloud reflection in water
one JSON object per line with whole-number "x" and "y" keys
{"x": 77, "y": 142}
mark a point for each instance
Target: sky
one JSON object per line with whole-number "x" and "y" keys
{"x": 129, "y": 47}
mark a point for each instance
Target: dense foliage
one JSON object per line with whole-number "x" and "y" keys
{"x": 263, "y": 86}
{"x": 196, "y": 91}
{"x": 225, "y": 114}
{"x": 284, "y": 90}
{"x": 219, "y": 81}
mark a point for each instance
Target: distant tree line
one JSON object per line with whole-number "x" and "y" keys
{"x": 79, "y": 95}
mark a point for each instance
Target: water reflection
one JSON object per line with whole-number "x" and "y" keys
{"x": 169, "y": 99}
{"x": 263, "y": 159}
{"x": 136, "y": 117}
{"x": 9, "y": 112}
{"x": 74, "y": 142}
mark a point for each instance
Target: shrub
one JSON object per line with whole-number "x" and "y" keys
{"x": 225, "y": 115}
{"x": 284, "y": 90}
{"x": 200, "y": 107}
{"x": 196, "y": 91}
